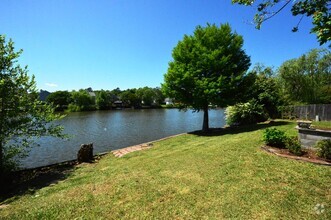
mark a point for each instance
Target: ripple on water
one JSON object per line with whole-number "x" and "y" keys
{"x": 110, "y": 130}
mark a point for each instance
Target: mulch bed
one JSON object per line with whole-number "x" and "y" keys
{"x": 308, "y": 156}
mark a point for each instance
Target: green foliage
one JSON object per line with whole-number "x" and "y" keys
{"x": 294, "y": 146}
{"x": 103, "y": 100}
{"x": 130, "y": 98}
{"x": 266, "y": 90}
{"x": 86, "y": 99}
{"x": 308, "y": 78}
{"x": 208, "y": 67}
{"x": 158, "y": 96}
{"x": 81, "y": 101}
{"x": 146, "y": 95}
{"x": 324, "y": 149}
{"x": 74, "y": 108}
{"x": 274, "y": 137}
{"x": 245, "y": 113}
{"x": 22, "y": 116}
{"x": 60, "y": 99}
{"x": 318, "y": 10}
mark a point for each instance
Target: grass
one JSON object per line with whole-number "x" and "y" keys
{"x": 218, "y": 176}
{"x": 322, "y": 124}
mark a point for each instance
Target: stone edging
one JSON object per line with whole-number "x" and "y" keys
{"x": 123, "y": 151}
{"x": 319, "y": 162}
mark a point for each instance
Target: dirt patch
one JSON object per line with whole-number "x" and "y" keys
{"x": 308, "y": 156}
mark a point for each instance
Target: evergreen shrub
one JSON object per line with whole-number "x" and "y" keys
{"x": 274, "y": 137}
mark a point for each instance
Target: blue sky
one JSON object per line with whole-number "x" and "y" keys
{"x": 127, "y": 43}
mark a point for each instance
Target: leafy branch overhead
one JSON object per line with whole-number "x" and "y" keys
{"x": 318, "y": 10}
{"x": 22, "y": 116}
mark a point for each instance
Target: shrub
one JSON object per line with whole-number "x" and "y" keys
{"x": 274, "y": 137}
{"x": 74, "y": 108}
{"x": 294, "y": 146}
{"x": 324, "y": 149}
{"x": 77, "y": 108}
{"x": 245, "y": 113}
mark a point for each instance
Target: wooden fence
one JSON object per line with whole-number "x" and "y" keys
{"x": 308, "y": 112}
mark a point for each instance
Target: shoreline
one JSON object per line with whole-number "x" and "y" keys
{"x": 99, "y": 155}
{"x": 17, "y": 181}
{"x": 147, "y": 145}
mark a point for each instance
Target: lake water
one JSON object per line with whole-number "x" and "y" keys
{"x": 110, "y": 130}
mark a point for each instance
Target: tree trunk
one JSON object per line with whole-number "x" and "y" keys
{"x": 205, "y": 125}
{"x": 1, "y": 161}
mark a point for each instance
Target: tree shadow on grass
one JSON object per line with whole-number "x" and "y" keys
{"x": 238, "y": 129}
{"x": 28, "y": 181}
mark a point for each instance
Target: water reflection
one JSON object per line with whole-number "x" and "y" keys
{"x": 110, "y": 130}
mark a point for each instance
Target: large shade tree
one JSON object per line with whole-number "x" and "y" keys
{"x": 22, "y": 115}
{"x": 208, "y": 67}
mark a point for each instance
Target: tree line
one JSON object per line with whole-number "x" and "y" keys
{"x": 87, "y": 99}
{"x": 298, "y": 81}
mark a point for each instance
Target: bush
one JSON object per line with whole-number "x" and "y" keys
{"x": 74, "y": 108}
{"x": 245, "y": 113}
{"x": 274, "y": 137}
{"x": 77, "y": 108}
{"x": 294, "y": 146}
{"x": 324, "y": 149}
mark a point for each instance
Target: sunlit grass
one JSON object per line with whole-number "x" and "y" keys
{"x": 186, "y": 177}
{"x": 322, "y": 124}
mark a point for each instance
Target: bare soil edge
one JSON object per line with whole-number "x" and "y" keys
{"x": 304, "y": 159}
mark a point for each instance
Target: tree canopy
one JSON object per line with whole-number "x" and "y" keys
{"x": 318, "y": 10}
{"x": 129, "y": 98}
{"x": 307, "y": 79}
{"x": 81, "y": 101}
{"x": 102, "y": 100}
{"x": 60, "y": 99}
{"x": 22, "y": 116}
{"x": 265, "y": 91}
{"x": 208, "y": 67}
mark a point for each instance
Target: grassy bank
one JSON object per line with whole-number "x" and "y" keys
{"x": 322, "y": 124}
{"x": 222, "y": 175}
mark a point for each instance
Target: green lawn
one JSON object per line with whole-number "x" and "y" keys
{"x": 219, "y": 176}
{"x": 322, "y": 124}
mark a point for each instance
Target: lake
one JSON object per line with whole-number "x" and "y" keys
{"x": 110, "y": 130}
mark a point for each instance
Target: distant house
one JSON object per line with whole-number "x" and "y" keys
{"x": 118, "y": 104}
{"x": 168, "y": 101}
{"x": 92, "y": 94}
{"x": 43, "y": 94}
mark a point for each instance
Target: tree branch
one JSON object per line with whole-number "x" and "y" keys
{"x": 275, "y": 13}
